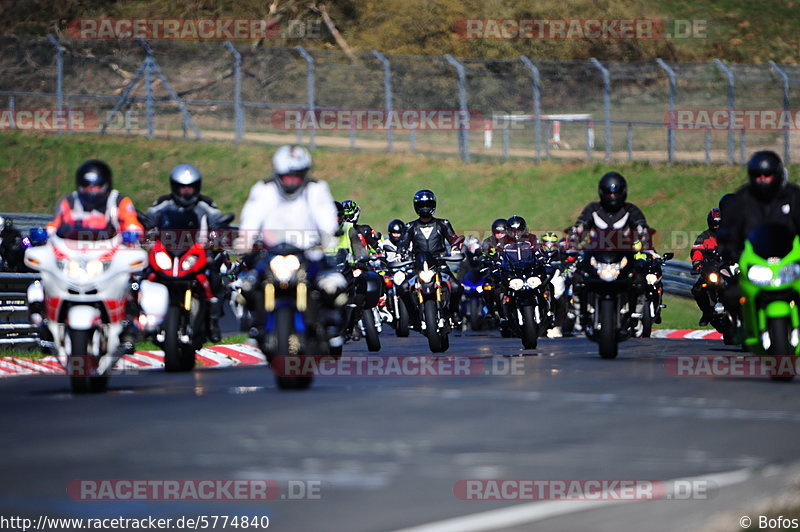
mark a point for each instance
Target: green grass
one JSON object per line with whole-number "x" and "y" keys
{"x": 35, "y": 170}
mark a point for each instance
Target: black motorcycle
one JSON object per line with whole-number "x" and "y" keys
{"x": 365, "y": 289}
{"x": 526, "y": 299}
{"x": 716, "y": 274}
{"x": 651, "y": 303}
{"x": 606, "y": 284}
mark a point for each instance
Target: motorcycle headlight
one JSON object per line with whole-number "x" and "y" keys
{"x": 651, "y": 278}
{"x": 188, "y": 262}
{"x": 788, "y": 274}
{"x": 399, "y": 277}
{"x": 426, "y": 276}
{"x": 759, "y": 275}
{"x": 284, "y": 267}
{"x": 74, "y": 269}
{"x": 516, "y": 284}
{"x": 534, "y": 282}
{"x": 95, "y": 267}
{"x": 609, "y": 271}
{"x": 357, "y": 272}
{"x": 713, "y": 277}
{"x": 163, "y": 260}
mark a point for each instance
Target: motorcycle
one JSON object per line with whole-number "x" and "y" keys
{"x": 526, "y": 302}
{"x": 473, "y": 305}
{"x": 394, "y": 310}
{"x": 652, "y": 299}
{"x": 178, "y": 260}
{"x": 770, "y": 284}
{"x": 717, "y": 275}
{"x": 84, "y": 292}
{"x": 293, "y": 322}
{"x": 430, "y": 291}
{"x": 605, "y": 282}
{"x": 365, "y": 289}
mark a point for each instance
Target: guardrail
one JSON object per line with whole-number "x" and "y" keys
{"x": 24, "y": 221}
{"x": 677, "y": 278}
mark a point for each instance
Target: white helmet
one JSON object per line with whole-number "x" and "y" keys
{"x": 293, "y": 162}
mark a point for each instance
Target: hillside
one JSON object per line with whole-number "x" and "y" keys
{"x": 734, "y": 30}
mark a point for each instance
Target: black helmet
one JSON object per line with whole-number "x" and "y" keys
{"x": 516, "y": 225}
{"x": 339, "y": 212}
{"x": 396, "y": 226}
{"x": 424, "y": 202}
{"x": 765, "y": 163}
{"x": 713, "y": 219}
{"x": 93, "y": 173}
{"x": 185, "y": 183}
{"x": 613, "y": 191}
{"x": 725, "y": 201}
{"x": 499, "y": 225}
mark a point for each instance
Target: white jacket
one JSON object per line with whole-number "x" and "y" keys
{"x": 305, "y": 220}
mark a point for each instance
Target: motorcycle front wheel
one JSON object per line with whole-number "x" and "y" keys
{"x": 80, "y": 362}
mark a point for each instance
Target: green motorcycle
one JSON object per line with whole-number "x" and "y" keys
{"x": 770, "y": 285}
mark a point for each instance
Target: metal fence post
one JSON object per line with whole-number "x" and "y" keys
{"x": 59, "y": 77}
{"x": 672, "y": 124}
{"x": 11, "y": 105}
{"x": 731, "y": 140}
{"x": 630, "y": 141}
{"x": 606, "y": 104}
{"x": 387, "y": 97}
{"x": 148, "y": 83}
{"x": 537, "y": 115}
{"x": 782, "y": 74}
{"x": 310, "y": 91}
{"x": 238, "y": 115}
{"x": 463, "y": 139}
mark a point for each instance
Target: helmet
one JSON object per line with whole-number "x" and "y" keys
{"x": 291, "y": 164}
{"x": 499, "y": 225}
{"x": 93, "y": 182}
{"x": 396, "y": 226}
{"x": 550, "y": 240}
{"x": 613, "y": 191}
{"x": 425, "y": 202}
{"x": 38, "y": 236}
{"x": 351, "y": 211}
{"x": 765, "y": 163}
{"x": 725, "y": 200}
{"x": 339, "y": 212}
{"x": 713, "y": 219}
{"x": 185, "y": 183}
{"x": 516, "y": 226}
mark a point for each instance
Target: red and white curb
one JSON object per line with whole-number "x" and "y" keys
{"x": 687, "y": 334}
{"x": 216, "y": 356}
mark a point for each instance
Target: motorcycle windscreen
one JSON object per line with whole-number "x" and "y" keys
{"x": 771, "y": 240}
{"x": 518, "y": 252}
{"x": 178, "y": 230}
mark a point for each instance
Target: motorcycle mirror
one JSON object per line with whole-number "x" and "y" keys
{"x": 668, "y": 255}
{"x": 225, "y": 219}
{"x": 389, "y": 247}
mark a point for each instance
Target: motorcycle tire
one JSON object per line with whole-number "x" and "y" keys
{"x": 530, "y": 329}
{"x": 432, "y": 326}
{"x": 401, "y": 329}
{"x": 780, "y": 346}
{"x": 607, "y": 335}
{"x": 475, "y": 319}
{"x": 370, "y": 331}
{"x": 79, "y": 356}
{"x": 284, "y": 327}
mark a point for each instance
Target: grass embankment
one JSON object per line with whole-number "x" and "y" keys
{"x": 35, "y": 170}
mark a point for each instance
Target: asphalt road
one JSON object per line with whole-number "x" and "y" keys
{"x": 381, "y": 453}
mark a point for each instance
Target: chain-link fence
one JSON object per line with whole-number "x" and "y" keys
{"x": 522, "y": 108}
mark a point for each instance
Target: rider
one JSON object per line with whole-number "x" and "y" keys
{"x": 185, "y": 182}
{"x": 94, "y": 205}
{"x": 497, "y": 239}
{"x": 435, "y": 236}
{"x": 705, "y": 243}
{"x": 518, "y": 232}
{"x": 394, "y": 232}
{"x": 555, "y": 256}
{"x": 293, "y": 208}
{"x": 348, "y": 244}
{"x": 351, "y": 214}
{"x": 768, "y": 197}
